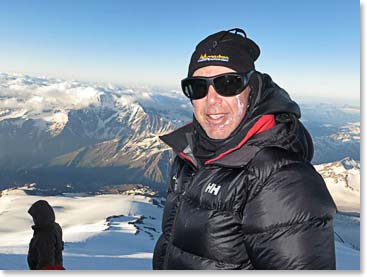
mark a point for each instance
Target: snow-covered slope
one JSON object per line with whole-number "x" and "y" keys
{"x": 343, "y": 181}
{"x": 102, "y": 232}
{"x": 115, "y": 231}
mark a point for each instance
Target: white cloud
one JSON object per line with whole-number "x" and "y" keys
{"x": 25, "y": 97}
{"x": 39, "y": 95}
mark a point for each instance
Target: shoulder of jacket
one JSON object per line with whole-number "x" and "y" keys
{"x": 273, "y": 166}
{"x": 268, "y": 160}
{"x": 287, "y": 191}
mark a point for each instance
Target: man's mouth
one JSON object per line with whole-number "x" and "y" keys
{"x": 216, "y": 119}
{"x": 215, "y": 116}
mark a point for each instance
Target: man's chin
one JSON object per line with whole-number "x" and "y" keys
{"x": 217, "y": 134}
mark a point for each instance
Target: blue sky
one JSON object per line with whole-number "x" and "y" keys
{"x": 311, "y": 48}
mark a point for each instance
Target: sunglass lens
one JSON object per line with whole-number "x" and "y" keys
{"x": 194, "y": 88}
{"x": 228, "y": 85}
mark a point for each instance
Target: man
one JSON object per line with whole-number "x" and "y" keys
{"x": 243, "y": 193}
{"x": 46, "y": 246}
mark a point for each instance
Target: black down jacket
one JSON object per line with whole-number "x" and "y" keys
{"x": 258, "y": 205}
{"x": 46, "y": 245}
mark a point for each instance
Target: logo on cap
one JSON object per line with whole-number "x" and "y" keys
{"x": 208, "y": 58}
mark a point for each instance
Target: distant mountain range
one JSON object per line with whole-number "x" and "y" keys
{"x": 74, "y": 136}
{"x": 335, "y": 130}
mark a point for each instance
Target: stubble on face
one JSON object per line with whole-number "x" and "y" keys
{"x": 218, "y": 115}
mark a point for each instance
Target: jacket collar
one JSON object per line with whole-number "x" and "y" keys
{"x": 179, "y": 140}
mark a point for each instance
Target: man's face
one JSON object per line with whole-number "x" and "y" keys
{"x": 218, "y": 115}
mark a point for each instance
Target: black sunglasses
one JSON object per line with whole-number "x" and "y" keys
{"x": 227, "y": 84}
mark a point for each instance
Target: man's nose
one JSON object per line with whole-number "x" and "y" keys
{"x": 213, "y": 97}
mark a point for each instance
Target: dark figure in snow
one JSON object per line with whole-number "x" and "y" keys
{"x": 46, "y": 246}
{"x": 243, "y": 193}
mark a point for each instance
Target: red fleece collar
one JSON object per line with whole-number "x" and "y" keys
{"x": 264, "y": 123}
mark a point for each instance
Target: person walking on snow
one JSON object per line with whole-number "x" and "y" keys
{"x": 46, "y": 245}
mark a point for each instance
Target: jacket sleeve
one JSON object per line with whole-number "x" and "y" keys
{"x": 31, "y": 257}
{"x": 288, "y": 220}
{"x": 169, "y": 212}
{"x": 159, "y": 253}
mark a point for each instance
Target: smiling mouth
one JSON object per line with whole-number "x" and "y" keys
{"x": 216, "y": 119}
{"x": 215, "y": 116}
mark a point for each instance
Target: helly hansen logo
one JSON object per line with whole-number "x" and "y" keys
{"x": 212, "y": 188}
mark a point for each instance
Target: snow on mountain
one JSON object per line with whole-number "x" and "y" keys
{"x": 47, "y": 122}
{"x": 27, "y": 97}
{"x": 38, "y": 98}
{"x": 106, "y": 232}
{"x": 348, "y": 132}
{"x": 343, "y": 181}
{"x": 335, "y": 130}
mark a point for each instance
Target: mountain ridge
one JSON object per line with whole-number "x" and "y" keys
{"x": 51, "y": 128}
